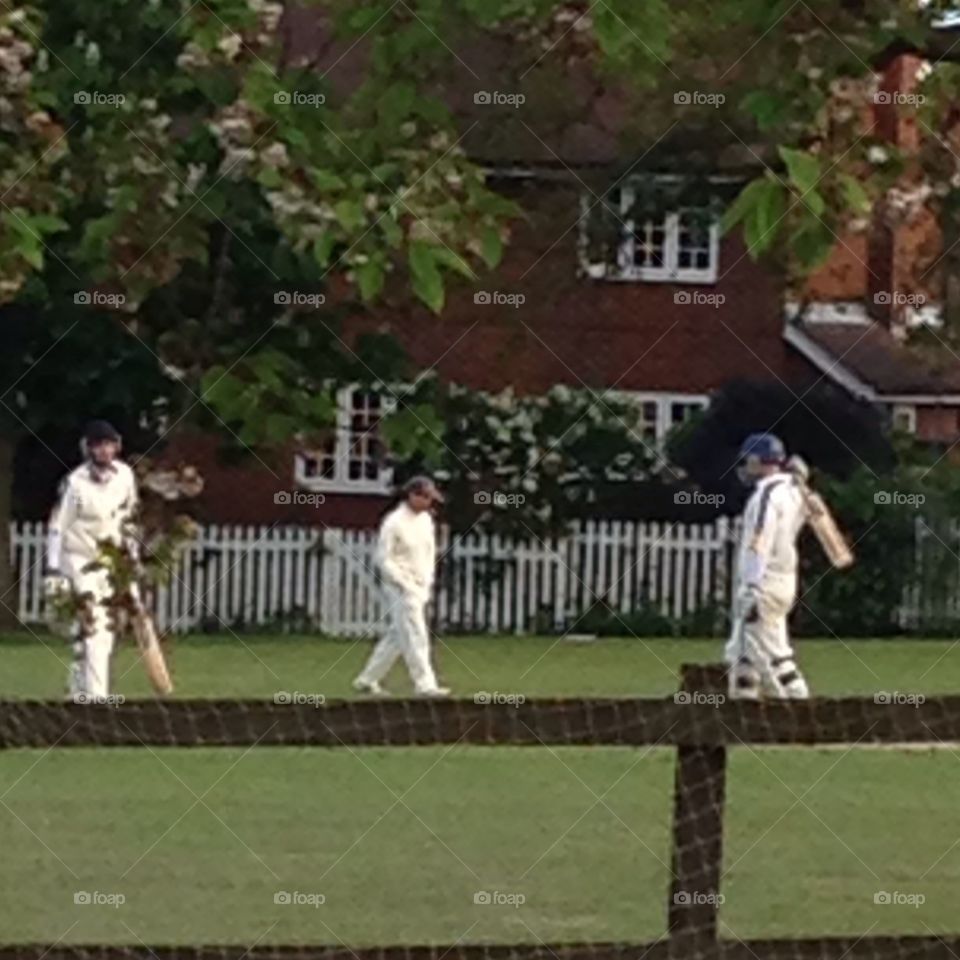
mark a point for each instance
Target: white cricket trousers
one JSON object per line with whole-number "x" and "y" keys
{"x": 759, "y": 651}
{"x": 93, "y": 634}
{"x": 407, "y": 636}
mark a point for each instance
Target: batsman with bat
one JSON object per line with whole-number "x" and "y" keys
{"x": 97, "y": 503}
{"x": 759, "y": 653}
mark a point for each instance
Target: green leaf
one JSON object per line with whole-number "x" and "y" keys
{"x": 270, "y": 177}
{"x": 815, "y": 202}
{"x": 433, "y": 110}
{"x": 812, "y": 244}
{"x": 856, "y": 194}
{"x": 427, "y": 280}
{"x": 266, "y": 367}
{"x": 350, "y": 214}
{"x": 296, "y": 137}
{"x": 392, "y": 231}
{"x": 745, "y": 204}
{"x": 396, "y": 103}
{"x": 223, "y": 391}
{"x": 491, "y": 247}
{"x": 321, "y": 408}
{"x": 32, "y": 252}
{"x": 250, "y": 434}
{"x": 48, "y": 223}
{"x": 762, "y": 225}
{"x": 365, "y": 18}
{"x": 803, "y": 168}
{"x": 384, "y": 171}
{"x": 279, "y": 426}
{"x": 766, "y": 107}
{"x": 496, "y": 206}
{"x": 415, "y": 430}
{"x": 453, "y": 261}
{"x": 323, "y": 248}
{"x": 97, "y": 232}
{"x": 327, "y": 181}
{"x": 370, "y": 277}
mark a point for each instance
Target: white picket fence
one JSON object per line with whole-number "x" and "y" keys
{"x": 324, "y": 579}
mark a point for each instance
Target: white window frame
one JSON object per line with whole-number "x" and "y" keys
{"x": 626, "y": 270}
{"x": 341, "y": 481}
{"x": 906, "y": 410}
{"x": 664, "y": 401}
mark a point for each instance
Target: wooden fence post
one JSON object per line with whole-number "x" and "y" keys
{"x": 698, "y": 806}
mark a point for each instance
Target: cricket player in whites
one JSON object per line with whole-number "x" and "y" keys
{"x": 759, "y": 654}
{"x": 407, "y": 554}
{"x": 97, "y": 502}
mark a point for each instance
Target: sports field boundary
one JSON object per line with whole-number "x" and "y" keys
{"x": 701, "y": 724}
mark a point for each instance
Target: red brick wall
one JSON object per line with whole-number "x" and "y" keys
{"x": 938, "y": 424}
{"x": 579, "y": 331}
{"x": 885, "y": 260}
{"x": 570, "y": 330}
{"x": 244, "y": 491}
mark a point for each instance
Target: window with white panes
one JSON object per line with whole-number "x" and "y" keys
{"x": 661, "y": 413}
{"x": 681, "y": 246}
{"x": 904, "y": 418}
{"x": 353, "y": 459}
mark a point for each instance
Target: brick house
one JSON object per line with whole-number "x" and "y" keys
{"x": 668, "y": 314}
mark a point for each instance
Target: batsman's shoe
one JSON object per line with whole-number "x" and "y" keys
{"x": 434, "y": 692}
{"x": 370, "y": 687}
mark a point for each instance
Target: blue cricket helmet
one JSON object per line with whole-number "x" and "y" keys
{"x": 765, "y": 447}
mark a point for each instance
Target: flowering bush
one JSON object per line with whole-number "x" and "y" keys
{"x": 520, "y": 464}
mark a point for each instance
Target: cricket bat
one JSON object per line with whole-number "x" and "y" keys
{"x": 835, "y": 545}
{"x": 151, "y": 655}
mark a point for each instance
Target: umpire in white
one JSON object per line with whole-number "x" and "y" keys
{"x": 97, "y": 502}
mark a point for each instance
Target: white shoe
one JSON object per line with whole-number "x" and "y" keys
{"x": 434, "y": 692}
{"x": 370, "y": 687}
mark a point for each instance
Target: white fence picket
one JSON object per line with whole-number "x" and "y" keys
{"x": 230, "y": 576}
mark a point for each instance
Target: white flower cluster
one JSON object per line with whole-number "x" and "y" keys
{"x": 543, "y": 451}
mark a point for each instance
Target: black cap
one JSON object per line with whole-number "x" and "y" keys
{"x": 99, "y": 430}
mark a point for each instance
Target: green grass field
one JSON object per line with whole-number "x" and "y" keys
{"x": 199, "y": 842}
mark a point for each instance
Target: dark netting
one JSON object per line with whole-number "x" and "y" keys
{"x": 698, "y": 722}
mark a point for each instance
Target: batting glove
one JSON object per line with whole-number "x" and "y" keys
{"x": 54, "y": 583}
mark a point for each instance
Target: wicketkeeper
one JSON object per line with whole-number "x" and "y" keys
{"x": 97, "y": 503}
{"x": 759, "y": 652}
{"x": 407, "y": 556}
